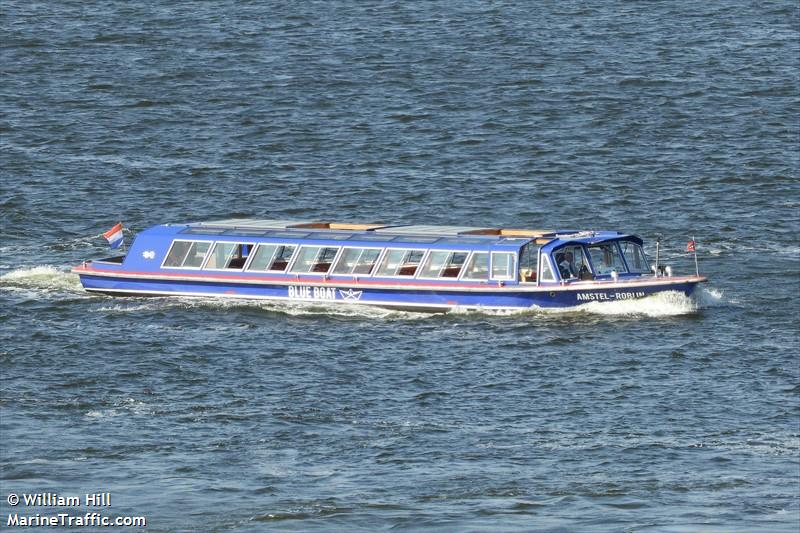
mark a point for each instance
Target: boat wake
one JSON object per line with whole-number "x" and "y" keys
{"x": 292, "y": 309}
{"x": 664, "y": 304}
{"x": 45, "y": 278}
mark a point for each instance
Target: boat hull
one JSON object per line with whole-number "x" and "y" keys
{"x": 409, "y": 298}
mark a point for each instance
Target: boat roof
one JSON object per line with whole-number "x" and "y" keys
{"x": 378, "y": 227}
{"x": 376, "y": 232}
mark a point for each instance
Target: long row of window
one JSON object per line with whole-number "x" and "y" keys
{"x": 345, "y": 261}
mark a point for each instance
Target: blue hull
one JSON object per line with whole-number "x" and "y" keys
{"x": 406, "y": 298}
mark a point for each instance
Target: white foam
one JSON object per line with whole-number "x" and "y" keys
{"x": 707, "y": 297}
{"x": 44, "y": 277}
{"x": 663, "y": 304}
{"x": 300, "y": 309}
{"x": 101, "y": 414}
{"x": 669, "y": 303}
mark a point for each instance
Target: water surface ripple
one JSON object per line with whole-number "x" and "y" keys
{"x": 671, "y": 118}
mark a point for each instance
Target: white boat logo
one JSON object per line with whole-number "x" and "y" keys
{"x": 149, "y": 254}
{"x": 350, "y": 294}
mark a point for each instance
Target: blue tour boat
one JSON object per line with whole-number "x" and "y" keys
{"x": 430, "y": 268}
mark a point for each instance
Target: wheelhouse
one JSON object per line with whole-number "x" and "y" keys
{"x": 598, "y": 257}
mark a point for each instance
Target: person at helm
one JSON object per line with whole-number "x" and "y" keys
{"x": 566, "y": 267}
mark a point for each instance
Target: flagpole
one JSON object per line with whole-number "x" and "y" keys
{"x": 694, "y": 249}
{"x": 122, "y": 245}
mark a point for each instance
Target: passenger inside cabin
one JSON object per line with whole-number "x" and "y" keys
{"x": 566, "y": 266}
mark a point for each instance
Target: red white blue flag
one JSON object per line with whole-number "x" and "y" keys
{"x": 114, "y": 236}
{"x": 690, "y": 246}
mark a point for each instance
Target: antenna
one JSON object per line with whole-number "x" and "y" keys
{"x": 658, "y": 249}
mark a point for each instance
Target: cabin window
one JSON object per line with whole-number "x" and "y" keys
{"x": 186, "y": 254}
{"x": 262, "y": 257}
{"x": 367, "y": 262}
{"x": 502, "y": 265}
{"x": 572, "y": 263}
{"x": 634, "y": 257}
{"x": 282, "y": 258}
{"x": 228, "y": 255}
{"x": 546, "y": 272}
{"x": 528, "y": 259}
{"x": 433, "y": 264}
{"x": 357, "y": 261}
{"x": 477, "y": 267}
{"x": 605, "y": 258}
{"x": 443, "y": 265}
{"x": 400, "y": 263}
{"x": 196, "y": 255}
{"x": 314, "y": 260}
{"x": 177, "y": 253}
{"x": 271, "y": 257}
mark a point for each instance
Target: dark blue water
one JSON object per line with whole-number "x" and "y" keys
{"x": 672, "y": 118}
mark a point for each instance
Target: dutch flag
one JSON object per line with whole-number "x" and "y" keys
{"x": 114, "y": 236}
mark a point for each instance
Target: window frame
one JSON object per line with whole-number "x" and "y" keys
{"x": 272, "y": 258}
{"x": 573, "y": 248}
{"x": 321, "y": 247}
{"x": 534, "y": 268}
{"x": 394, "y": 249}
{"x": 255, "y": 252}
{"x": 228, "y": 257}
{"x": 363, "y": 249}
{"x": 614, "y": 244}
{"x": 462, "y": 276}
{"x": 511, "y": 275}
{"x": 544, "y": 258}
{"x": 643, "y": 256}
{"x": 289, "y": 260}
{"x": 185, "y": 255}
{"x": 202, "y": 261}
{"x": 441, "y": 269}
